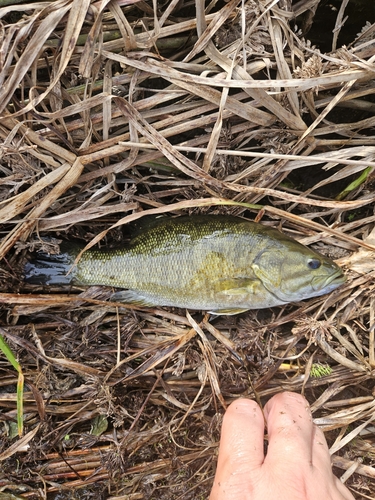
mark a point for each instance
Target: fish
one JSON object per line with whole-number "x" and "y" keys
{"x": 216, "y": 263}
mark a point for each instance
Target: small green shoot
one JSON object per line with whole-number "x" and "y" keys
{"x": 20, "y": 384}
{"x": 318, "y": 370}
{"x": 355, "y": 184}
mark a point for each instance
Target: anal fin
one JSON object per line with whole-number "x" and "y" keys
{"x": 228, "y": 311}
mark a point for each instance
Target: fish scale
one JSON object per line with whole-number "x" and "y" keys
{"x": 222, "y": 264}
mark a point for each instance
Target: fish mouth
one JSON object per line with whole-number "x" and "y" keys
{"x": 335, "y": 280}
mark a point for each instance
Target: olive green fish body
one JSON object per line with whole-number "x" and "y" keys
{"x": 216, "y": 263}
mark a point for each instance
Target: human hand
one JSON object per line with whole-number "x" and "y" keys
{"x": 297, "y": 465}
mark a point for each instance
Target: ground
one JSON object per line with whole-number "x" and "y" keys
{"x": 111, "y": 112}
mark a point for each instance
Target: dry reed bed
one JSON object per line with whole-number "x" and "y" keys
{"x": 115, "y": 110}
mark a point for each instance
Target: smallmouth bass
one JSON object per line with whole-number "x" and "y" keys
{"x": 221, "y": 264}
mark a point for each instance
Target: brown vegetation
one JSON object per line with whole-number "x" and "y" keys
{"x": 111, "y": 111}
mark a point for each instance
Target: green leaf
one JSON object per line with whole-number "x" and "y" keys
{"x": 20, "y": 384}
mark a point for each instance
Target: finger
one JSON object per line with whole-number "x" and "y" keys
{"x": 241, "y": 449}
{"x": 322, "y": 463}
{"x": 321, "y": 457}
{"x": 290, "y": 430}
{"x": 242, "y": 435}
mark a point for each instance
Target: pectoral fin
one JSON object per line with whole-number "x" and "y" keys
{"x": 237, "y": 287}
{"x": 237, "y": 292}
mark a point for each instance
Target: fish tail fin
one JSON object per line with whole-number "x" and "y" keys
{"x": 52, "y": 269}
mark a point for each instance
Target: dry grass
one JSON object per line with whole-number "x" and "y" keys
{"x": 115, "y": 110}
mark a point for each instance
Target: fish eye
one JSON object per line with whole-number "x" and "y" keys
{"x": 314, "y": 263}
